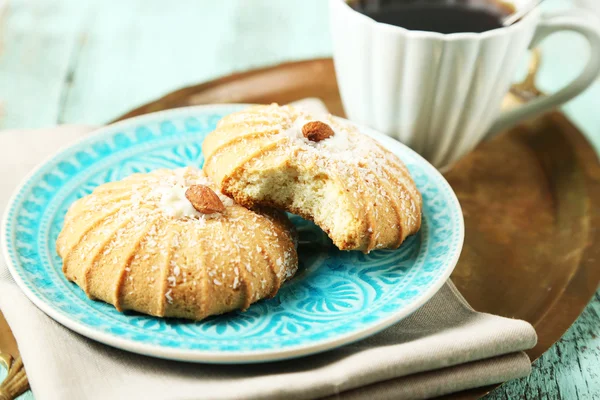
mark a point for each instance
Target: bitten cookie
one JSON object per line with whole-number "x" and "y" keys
{"x": 168, "y": 244}
{"x": 318, "y": 167}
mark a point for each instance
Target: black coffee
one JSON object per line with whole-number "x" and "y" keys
{"x": 444, "y": 16}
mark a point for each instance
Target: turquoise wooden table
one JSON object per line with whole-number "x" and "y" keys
{"x": 73, "y": 61}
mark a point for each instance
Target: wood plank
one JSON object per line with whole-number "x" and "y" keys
{"x": 85, "y": 61}
{"x": 173, "y": 44}
{"x": 73, "y": 61}
{"x": 38, "y": 40}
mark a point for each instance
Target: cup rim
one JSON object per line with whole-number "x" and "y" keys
{"x": 535, "y": 13}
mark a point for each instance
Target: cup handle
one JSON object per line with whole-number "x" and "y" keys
{"x": 573, "y": 20}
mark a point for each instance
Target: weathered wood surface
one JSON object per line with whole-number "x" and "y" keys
{"x": 569, "y": 370}
{"x": 89, "y": 61}
{"x": 64, "y": 61}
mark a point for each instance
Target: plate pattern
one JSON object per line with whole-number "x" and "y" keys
{"x": 336, "y": 297}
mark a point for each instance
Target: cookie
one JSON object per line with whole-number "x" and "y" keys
{"x": 318, "y": 167}
{"x": 169, "y": 244}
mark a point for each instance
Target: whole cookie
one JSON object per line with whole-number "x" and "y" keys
{"x": 168, "y": 244}
{"x": 318, "y": 167}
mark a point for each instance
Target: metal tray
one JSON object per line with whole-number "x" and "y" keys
{"x": 530, "y": 197}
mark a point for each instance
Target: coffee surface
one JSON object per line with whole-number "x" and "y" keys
{"x": 444, "y": 16}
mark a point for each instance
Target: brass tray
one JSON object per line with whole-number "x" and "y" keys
{"x": 530, "y": 197}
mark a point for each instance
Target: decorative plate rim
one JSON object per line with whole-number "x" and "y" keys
{"x": 219, "y": 357}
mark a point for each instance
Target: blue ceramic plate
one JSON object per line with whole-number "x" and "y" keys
{"x": 336, "y": 298}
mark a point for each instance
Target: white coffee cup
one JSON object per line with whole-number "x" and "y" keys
{"x": 592, "y": 5}
{"x": 441, "y": 94}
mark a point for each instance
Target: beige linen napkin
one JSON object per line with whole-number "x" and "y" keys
{"x": 443, "y": 347}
